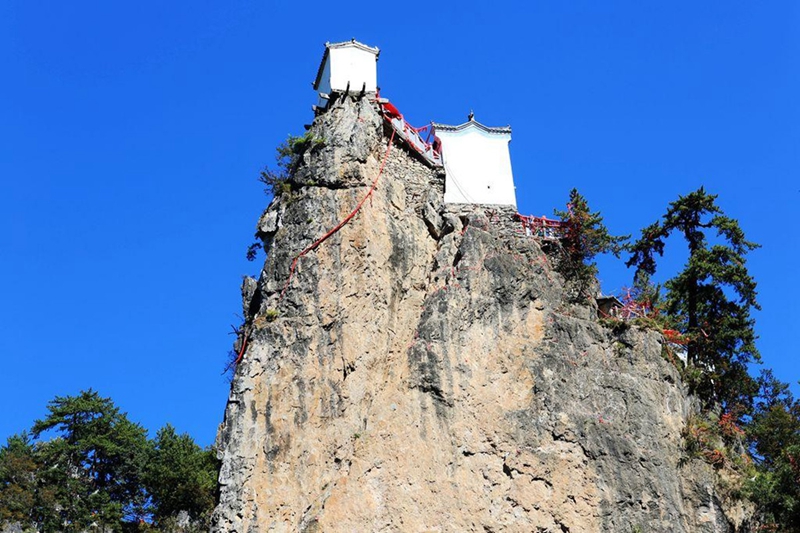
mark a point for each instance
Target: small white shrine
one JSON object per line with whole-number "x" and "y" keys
{"x": 349, "y": 66}
{"x": 477, "y": 163}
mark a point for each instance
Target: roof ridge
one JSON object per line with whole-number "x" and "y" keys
{"x": 353, "y": 42}
{"x": 474, "y": 123}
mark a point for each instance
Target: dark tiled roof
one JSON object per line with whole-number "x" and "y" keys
{"x": 472, "y": 123}
{"x": 613, "y": 300}
{"x": 343, "y": 44}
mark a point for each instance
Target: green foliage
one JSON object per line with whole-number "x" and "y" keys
{"x": 716, "y": 439}
{"x": 649, "y": 296}
{"x": 96, "y": 460}
{"x": 585, "y": 237}
{"x": 88, "y": 466}
{"x": 616, "y": 325}
{"x": 287, "y": 158}
{"x": 252, "y": 250}
{"x": 711, "y": 299}
{"x": 774, "y": 436}
{"x": 647, "y": 322}
{"x": 180, "y": 476}
{"x": 21, "y": 498}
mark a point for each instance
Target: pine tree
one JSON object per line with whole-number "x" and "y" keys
{"x": 87, "y": 467}
{"x": 774, "y": 437}
{"x": 181, "y": 476}
{"x": 18, "y": 476}
{"x": 585, "y": 236}
{"x": 710, "y": 301}
{"x": 96, "y": 461}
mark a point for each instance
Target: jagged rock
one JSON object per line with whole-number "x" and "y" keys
{"x": 432, "y": 220}
{"x": 249, "y": 287}
{"x": 424, "y": 371}
{"x": 183, "y": 521}
{"x": 269, "y": 223}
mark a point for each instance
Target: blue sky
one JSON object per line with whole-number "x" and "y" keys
{"x": 131, "y": 136}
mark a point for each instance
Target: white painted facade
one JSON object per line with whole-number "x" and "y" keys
{"x": 477, "y": 164}
{"x": 350, "y": 64}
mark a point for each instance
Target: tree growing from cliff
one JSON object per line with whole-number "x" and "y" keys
{"x": 711, "y": 299}
{"x": 585, "y": 236}
{"x": 287, "y": 158}
{"x": 277, "y": 178}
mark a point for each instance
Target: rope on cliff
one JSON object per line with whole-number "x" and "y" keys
{"x": 235, "y": 362}
{"x": 340, "y": 224}
{"x": 244, "y": 347}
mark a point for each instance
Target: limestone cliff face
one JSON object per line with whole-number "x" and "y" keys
{"x": 425, "y": 373}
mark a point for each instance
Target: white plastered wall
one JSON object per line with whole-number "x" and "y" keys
{"x": 353, "y": 65}
{"x": 477, "y": 167}
{"x": 324, "y": 83}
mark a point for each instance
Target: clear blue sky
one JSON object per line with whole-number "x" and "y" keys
{"x": 132, "y": 133}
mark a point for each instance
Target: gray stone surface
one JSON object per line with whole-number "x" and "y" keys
{"x": 425, "y": 372}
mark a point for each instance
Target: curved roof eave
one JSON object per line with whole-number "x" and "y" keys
{"x": 505, "y": 130}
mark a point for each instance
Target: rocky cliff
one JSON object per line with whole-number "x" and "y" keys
{"x": 424, "y": 371}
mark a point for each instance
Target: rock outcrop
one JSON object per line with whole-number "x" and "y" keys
{"x": 424, "y": 371}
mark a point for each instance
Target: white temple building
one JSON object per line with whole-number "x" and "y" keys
{"x": 477, "y": 163}
{"x": 475, "y": 157}
{"x": 349, "y": 66}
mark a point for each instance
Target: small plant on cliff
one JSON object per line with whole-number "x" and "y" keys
{"x": 252, "y": 250}
{"x": 702, "y": 439}
{"x": 585, "y": 237}
{"x": 287, "y": 159}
